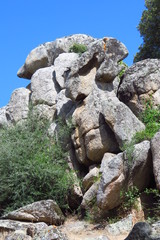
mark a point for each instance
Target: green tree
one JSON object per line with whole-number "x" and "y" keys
{"x": 149, "y": 28}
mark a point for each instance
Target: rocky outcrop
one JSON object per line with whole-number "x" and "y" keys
{"x": 18, "y": 106}
{"x": 119, "y": 173}
{"x": 45, "y": 54}
{"x": 14, "y": 230}
{"x": 84, "y": 88}
{"x": 139, "y": 83}
{"x": 43, "y": 211}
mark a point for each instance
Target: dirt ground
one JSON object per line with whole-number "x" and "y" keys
{"x": 81, "y": 230}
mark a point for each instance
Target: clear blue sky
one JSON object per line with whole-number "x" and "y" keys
{"x": 24, "y": 24}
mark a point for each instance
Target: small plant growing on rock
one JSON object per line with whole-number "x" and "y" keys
{"x": 125, "y": 67}
{"x": 129, "y": 198}
{"x": 78, "y": 48}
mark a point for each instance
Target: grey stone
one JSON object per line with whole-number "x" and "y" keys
{"x": 140, "y": 231}
{"x": 80, "y": 79}
{"x": 62, "y": 63}
{"x": 121, "y": 226}
{"x": 50, "y": 233}
{"x": 42, "y": 211}
{"x": 90, "y": 196}
{"x": 111, "y": 182}
{"x": 44, "y": 111}
{"x": 155, "y": 143}
{"x": 90, "y": 178}
{"x": 10, "y": 228}
{"x": 18, "y": 106}
{"x": 3, "y": 118}
{"x": 156, "y": 230}
{"x": 120, "y": 119}
{"x": 63, "y": 105}
{"x": 140, "y": 81}
{"x": 43, "y": 88}
{"x": 140, "y": 173}
{"x": 45, "y": 54}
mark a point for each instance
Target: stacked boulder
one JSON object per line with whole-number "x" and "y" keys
{"x": 83, "y": 87}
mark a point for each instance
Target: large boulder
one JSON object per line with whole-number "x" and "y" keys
{"x": 18, "y": 106}
{"x": 111, "y": 182}
{"x": 16, "y": 230}
{"x": 3, "y": 118}
{"x": 62, "y": 64}
{"x": 119, "y": 172}
{"x": 11, "y": 229}
{"x": 99, "y": 63}
{"x": 89, "y": 197}
{"x": 155, "y": 143}
{"x": 140, "y": 166}
{"x": 120, "y": 119}
{"x": 140, "y": 82}
{"x": 93, "y": 137}
{"x": 43, "y": 88}
{"x": 43, "y": 211}
{"x": 140, "y": 231}
{"x": 90, "y": 178}
{"x": 45, "y": 54}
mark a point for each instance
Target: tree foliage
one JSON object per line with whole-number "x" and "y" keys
{"x": 149, "y": 28}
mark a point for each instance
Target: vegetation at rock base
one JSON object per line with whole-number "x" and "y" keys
{"x": 129, "y": 198}
{"x": 78, "y": 48}
{"x": 151, "y": 118}
{"x": 149, "y": 28}
{"x": 33, "y": 165}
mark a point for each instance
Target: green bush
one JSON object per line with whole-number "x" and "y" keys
{"x": 151, "y": 118}
{"x": 78, "y": 48}
{"x": 33, "y": 166}
{"x": 125, "y": 67}
{"x": 129, "y": 198}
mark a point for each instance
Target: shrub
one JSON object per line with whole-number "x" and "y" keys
{"x": 129, "y": 198}
{"x": 33, "y": 166}
{"x": 151, "y": 118}
{"x": 78, "y": 48}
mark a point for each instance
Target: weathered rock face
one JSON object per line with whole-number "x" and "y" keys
{"x": 99, "y": 63}
{"x": 3, "y": 118}
{"x": 141, "y": 168}
{"x": 121, "y": 120}
{"x": 43, "y": 211}
{"x": 111, "y": 183}
{"x": 62, "y": 64}
{"x": 43, "y": 88}
{"x": 18, "y": 106}
{"x": 90, "y": 196}
{"x": 155, "y": 143}
{"x": 90, "y": 178}
{"x": 140, "y": 231}
{"x": 119, "y": 173}
{"x": 45, "y": 54}
{"x": 140, "y": 81}
{"x": 16, "y": 230}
